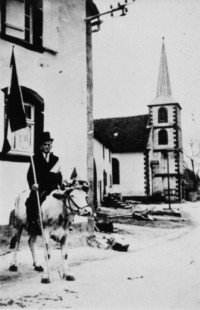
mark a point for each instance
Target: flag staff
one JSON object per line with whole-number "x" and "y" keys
{"x": 44, "y": 280}
{"x": 17, "y": 119}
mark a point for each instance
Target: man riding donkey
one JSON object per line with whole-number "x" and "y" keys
{"x": 48, "y": 176}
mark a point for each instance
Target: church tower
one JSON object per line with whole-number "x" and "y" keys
{"x": 165, "y": 143}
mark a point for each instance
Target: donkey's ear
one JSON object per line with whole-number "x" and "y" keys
{"x": 58, "y": 195}
{"x": 68, "y": 190}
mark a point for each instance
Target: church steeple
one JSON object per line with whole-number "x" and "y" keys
{"x": 165, "y": 139}
{"x": 164, "y": 94}
{"x": 163, "y": 87}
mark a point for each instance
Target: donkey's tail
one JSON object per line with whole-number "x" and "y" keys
{"x": 15, "y": 228}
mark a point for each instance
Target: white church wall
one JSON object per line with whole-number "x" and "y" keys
{"x": 162, "y": 166}
{"x": 131, "y": 174}
{"x": 160, "y": 184}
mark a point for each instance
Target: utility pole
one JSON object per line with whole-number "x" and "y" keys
{"x": 166, "y": 155}
{"x": 153, "y": 163}
{"x": 168, "y": 181}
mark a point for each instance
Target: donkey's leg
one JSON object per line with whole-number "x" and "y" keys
{"x": 47, "y": 239}
{"x": 32, "y": 244}
{"x": 15, "y": 241}
{"x": 46, "y": 277}
{"x": 64, "y": 253}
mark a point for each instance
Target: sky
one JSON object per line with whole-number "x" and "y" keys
{"x": 126, "y": 57}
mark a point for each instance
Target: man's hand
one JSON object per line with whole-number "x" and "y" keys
{"x": 35, "y": 187}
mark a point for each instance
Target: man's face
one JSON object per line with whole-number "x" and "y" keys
{"x": 46, "y": 146}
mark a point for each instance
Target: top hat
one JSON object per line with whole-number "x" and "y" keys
{"x": 45, "y": 136}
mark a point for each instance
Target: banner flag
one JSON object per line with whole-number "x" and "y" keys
{"x": 15, "y": 114}
{"x": 15, "y": 109}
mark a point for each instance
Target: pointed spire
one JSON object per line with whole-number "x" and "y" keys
{"x": 164, "y": 94}
{"x": 163, "y": 87}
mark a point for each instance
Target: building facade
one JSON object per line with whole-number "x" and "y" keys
{"x": 102, "y": 171}
{"x": 51, "y": 49}
{"x": 165, "y": 151}
{"x": 147, "y": 156}
{"x": 126, "y": 138}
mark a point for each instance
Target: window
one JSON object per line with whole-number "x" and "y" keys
{"x": 30, "y": 23}
{"x": 22, "y": 141}
{"x": 104, "y": 182}
{"x": 21, "y": 22}
{"x": 25, "y": 140}
{"x": 162, "y": 137}
{"x": 115, "y": 170}
{"x": 105, "y": 178}
{"x": 162, "y": 115}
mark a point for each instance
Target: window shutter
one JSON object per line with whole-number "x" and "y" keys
{"x": 15, "y": 12}
{"x": 50, "y": 25}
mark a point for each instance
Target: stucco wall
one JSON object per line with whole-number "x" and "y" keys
{"x": 61, "y": 80}
{"x": 131, "y": 174}
{"x": 161, "y": 184}
{"x": 162, "y": 166}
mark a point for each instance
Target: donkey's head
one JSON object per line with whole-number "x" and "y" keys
{"x": 75, "y": 198}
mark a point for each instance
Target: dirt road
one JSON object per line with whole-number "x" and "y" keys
{"x": 160, "y": 271}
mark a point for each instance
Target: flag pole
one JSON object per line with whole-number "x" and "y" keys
{"x": 17, "y": 119}
{"x": 39, "y": 207}
{"x": 41, "y": 223}
{"x": 6, "y": 145}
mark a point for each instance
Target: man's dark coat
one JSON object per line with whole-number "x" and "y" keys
{"x": 46, "y": 180}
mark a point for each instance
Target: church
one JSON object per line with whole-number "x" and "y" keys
{"x": 144, "y": 152}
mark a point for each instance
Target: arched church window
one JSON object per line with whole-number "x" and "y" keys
{"x": 115, "y": 171}
{"x": 162, "y": 115}
{"x": 24, "y": 142}
{"x": 163, "y": 137}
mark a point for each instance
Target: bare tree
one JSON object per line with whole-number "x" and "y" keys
{"x": 192, "y": 163}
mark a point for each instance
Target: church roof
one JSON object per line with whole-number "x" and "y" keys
{"x": 164, "y": 94}
{"x": 123, "y": 134}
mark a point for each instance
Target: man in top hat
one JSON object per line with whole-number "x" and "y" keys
{"x": 48, "y": 176}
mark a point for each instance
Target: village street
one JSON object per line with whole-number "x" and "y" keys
{"x": 159, "y": 271}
